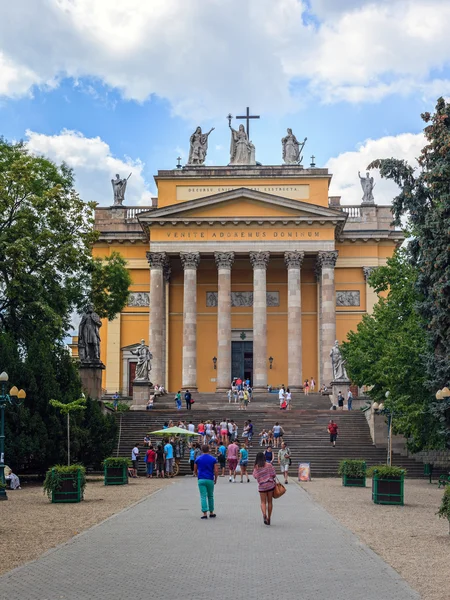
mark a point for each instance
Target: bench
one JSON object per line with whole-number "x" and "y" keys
{"x": 443, "y": 480}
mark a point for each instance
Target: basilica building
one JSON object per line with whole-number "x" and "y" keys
{"x": 240, "y": 270}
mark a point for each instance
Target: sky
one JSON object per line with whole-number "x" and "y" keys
{"x": 119, "y": 87}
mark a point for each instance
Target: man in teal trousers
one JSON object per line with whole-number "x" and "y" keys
{"x": 206, "y": 468}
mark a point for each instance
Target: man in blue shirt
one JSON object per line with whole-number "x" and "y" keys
{"x": 222, "y": 458}
{"x": 168, "y": 453}
{"x": 207, "y": 470}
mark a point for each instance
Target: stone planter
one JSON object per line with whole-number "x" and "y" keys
{"x": 116, "y": 475}
{"x": 388, "y": 491}
{"x": 349, "y": 481}
{"x": 70, "y": 490}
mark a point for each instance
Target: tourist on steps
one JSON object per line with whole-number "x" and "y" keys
{"x": 349, "y": 400}
{"x": 269, "y": 454}
{"x": 277, "y": 434}
{"x": 243, "y": 462}
{"x": 306, "y": 387}
{"x": 188, "y": 399}
{"x": 206, "y": 469}
{"x": 222, "y": 456}
{"x": 281, "y": 393}
{"x": 178, "y": 400}
{"x": 265, "y": 475}
{"x": 288, "y": 399}
{"x": 135, "y": 459}
{"x": 232, "y": 457}
{"x": 341, "y": 401}
{"x": 313, "y": 384}
{"x": 333, "y": 431}
{"x": 284, "y": 460}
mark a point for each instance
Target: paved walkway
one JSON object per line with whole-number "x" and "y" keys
{"x": 161, "y": 550}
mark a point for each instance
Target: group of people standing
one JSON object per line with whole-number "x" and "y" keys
{"x": 240, "y": 391}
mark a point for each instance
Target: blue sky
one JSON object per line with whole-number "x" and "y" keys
{"x": 120, "y": 87}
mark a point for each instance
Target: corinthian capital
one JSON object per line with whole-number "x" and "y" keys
{"x": 224, "y": 260}
{"x": 190, "y": 260}
{"x": 327, "y": 259}
{"x": 294, "y": 259}
{"x": 157, "y": 260}
{"x": 368, "y": 272}
{"x": 259, "y": 260}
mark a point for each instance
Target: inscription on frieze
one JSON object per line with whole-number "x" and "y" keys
{"x": 242, "y": 299}
{"x": 348, "y": 298}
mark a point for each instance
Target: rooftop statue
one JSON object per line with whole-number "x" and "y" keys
{"x": 242, "y": 151}
{"x": 367, "y": 185}
{"x": 199, "y": 147}
{"x": 119, "y": 187}
{"x": 292, "y": 149}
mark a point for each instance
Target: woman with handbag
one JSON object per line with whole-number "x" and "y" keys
{"x": 266, "y": 476}
{"x": 284, "y": 460}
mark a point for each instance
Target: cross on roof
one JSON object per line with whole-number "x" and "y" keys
{"x": 247, "y": 118}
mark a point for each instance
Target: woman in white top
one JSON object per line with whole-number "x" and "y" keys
{"x": 281, "y": 395}
{"x": 288, "y": 398}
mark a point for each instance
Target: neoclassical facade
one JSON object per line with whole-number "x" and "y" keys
{"x": 240, "y": 271}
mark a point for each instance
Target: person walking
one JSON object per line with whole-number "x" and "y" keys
{"x": 313, "y": 384}
{"x": 281, "y": 393}
{"x": 241, "y": 399}
{"x": 232, "y": 457}
{"x": 160, "y": 461}
{"x": 192, "y": 457}
{"x": 284, "y": 460}
{"x": 277, "y": 434}
{"x": 224, "y": 431}
{"x": 349, "y": 400}
{"x": 191, "y": 427}
{"x": 306, "y": 387}
{"x": 250, "y": 433}
{"x": 222, "y": 457}
{"x": 265, "y": 475}
{"x": 288, "y": 399}
{"x": 243, "y": 462}
{"x": 188, "y": 399}
{"x": 168, "y": 455}
{"x": 135, "y": 459}
{"x": 150, "y": 456}
{"x": 246, "y": 398}
{"x": 230, "y": 395}
{"x": 178, "y": 400}
{"x": 333, "y": 431}
{"x": 207, "y": 470}
{"x": 269, "y": 454}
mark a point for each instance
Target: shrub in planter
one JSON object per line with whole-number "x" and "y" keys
{"x": 65, "y": 483}
{"x": 444, "y": 510}
{"x": 116, "y": 470}
{"x": 353, "y": 472}
{"x": 387, "y": 484}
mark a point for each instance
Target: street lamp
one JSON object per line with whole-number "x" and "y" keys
{"x": 14, "y": 398}
{"x": 270, "y": 361}
{"x": 215, "y": 362}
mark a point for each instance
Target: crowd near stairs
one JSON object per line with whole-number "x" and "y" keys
{"x": 305, "y": 429}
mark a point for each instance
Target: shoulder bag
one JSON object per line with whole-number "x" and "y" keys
{"x": 279, "y": 489}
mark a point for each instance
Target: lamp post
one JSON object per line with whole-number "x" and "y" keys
{"x": 14, "y": 398}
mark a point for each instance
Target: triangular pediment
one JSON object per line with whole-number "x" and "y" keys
{"x": 241, "y": 204}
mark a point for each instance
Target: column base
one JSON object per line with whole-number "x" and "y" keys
{"x": 260, "y": 390}
{"x": 184, "y": 388}
{"x": 222, "y": 390}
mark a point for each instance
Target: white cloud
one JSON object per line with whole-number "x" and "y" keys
{"x": 345, "y": 167}
{"x": 209, "y": 57}
{"x": 93, "y": 164}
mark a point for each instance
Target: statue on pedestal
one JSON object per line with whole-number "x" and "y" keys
{"x": 292, "y": 149}
{"x": 119, "y": 187}
{"x": 143, "y": 366}
{"x": 89, "y": 336}
{"x": 367, "y": 185}
{"x": 242, "y": 151}
{"x": 199, "y": 147}
{"x": 338, "y": 364}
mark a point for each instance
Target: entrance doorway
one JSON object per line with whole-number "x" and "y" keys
{"x": 242, "y": 360}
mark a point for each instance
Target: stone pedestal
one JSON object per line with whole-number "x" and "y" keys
{"x": 91, "y": 378}
{"x": 141, "y": 392}
{"x": 339, "y": 386}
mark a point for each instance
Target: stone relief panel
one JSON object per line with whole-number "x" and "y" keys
{"x": 138, "y": 299}
{"x": 348, "y": 298}
{"x": 242, "y": 299}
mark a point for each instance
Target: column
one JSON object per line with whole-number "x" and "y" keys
{"x": 224, "y": 262}
{"x": 371, "y": 295}
{"x": 327, "y": 262}
{"x": 113, "y": 364}
{"x": 157, "y": 262}
{"x": 259, "y": 261}
{"x": 293, "y": 262}
{"x": 190, "y": 262}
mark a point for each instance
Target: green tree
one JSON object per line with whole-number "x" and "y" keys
{"x": 387, "y": 352}
{"x": 46, "y": 273}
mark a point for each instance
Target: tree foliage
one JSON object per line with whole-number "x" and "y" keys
{"x": 424, "y": 199}
{"x": 387, "y": 352}
{"x": 46, "y": 272}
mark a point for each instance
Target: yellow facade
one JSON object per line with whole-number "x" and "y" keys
{"x": 241, "y": 218}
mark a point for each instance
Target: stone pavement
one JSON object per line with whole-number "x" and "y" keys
{"x": 160, "y": 550}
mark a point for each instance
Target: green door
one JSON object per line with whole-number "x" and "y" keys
{"x": 242, "y": 360}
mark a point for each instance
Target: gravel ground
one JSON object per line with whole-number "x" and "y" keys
{"x": 30, "y": 524}
{"x": 411, "y": 538}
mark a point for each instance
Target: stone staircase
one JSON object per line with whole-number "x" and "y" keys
{"x": 305, "y": 429}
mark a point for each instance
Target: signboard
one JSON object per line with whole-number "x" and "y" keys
{"x": 304, "y": 471}
{"x": 295, "y": 192}
{"x": 163, "y": 234}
